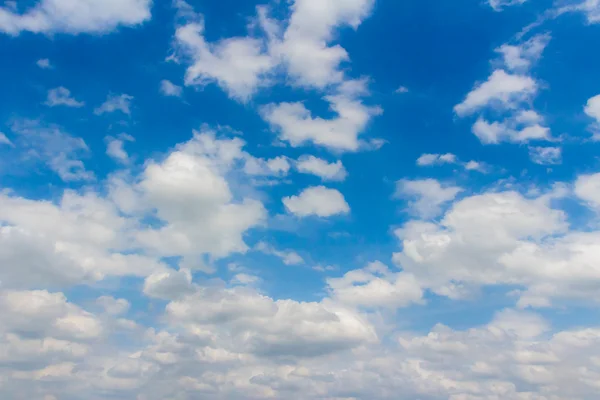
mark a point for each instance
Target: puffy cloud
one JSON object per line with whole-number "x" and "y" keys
{"x": 44, "y": 63}
{"x": 115, "y": 147}
{"x": 168, "y": 284}
{"x": 305, "y": 48}
{"x": 521, "y": 57}
{"x": 321, "y": 168}
{"x": 375, "y": 286}
{"x": 317, "y": 200}
{"x": 189, "y": 189}
{"x": 587, "y": 188}
{"x": 428, "y": 195}
{"x": 546, "y": 155}
{"x": 49, "y": 144}
{"x": 168, "y": 88}
{"x": 61, "y": 96}
{"x": 278, "y": 166}
{"x": 64, "y": 16}
{"x": 300, "y": 45}
{"x": 239, "y": 65}
{"x": 592, "y": 109}
{"x": 113, "y": 306}
{"x": 513, "y": 130}
{"x": 297, "y": 125}
{"x": 501, "y": 89}
{"x": 402, "y": 89}
{"x": 115, "y": 103}
{"x": 504, "y": 239}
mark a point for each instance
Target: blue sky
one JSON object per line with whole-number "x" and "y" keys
{"x": 333, "y": 199}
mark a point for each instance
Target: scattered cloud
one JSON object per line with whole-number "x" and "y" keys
{"x": 426, "y": 197}
{"x": 63, "y": 16}
{"x": 521, "y": 57}
{"x": 5, "y": 140}
{"x": 500, "y": 90}
{"x": 115, "y": 147}
{"x": 321, "y": 168}
{"x": 296, "y": 124}
{"x": 115, "y": 103}
{"x": 402, "y": 89}
{"x": 44, "y": 63}
{"x": 289, "y": 257}
{"x": 546, "y": 155}
{"x": 61, "y": 96}
{"x": 498, "y": 5}
{"x": 317, "y": 200}
{"x": 428, "y": 160}
{"x": 168, "y": 88}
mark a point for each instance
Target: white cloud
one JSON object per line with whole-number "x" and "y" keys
{"x": 115, "y": 103}
{"x": 402, "y": 89}
{"x": 168, "y": 88}
{"x": 505, "y": 239}
{"x": 510, "y": 130}
{"x": 239, "y": 65}
{"x": 317, "y": 200}
{"x": 113, "y": 306}
{"x": 289, "y": 257}
{"x": 501, "y": 89}
{"x": 590, "y": 8}
{"x": 546, "y": 155}
{"x": 428, "y": 159}
{"x": 44, "y": 63}
{"x": 61, "y": 96}
{"x": 115, "y": 147}
{"x": 427, "y": 195}
{"x": 297, "y": 125}
{"x": 301, "y": 45}
{"x": 278, "y": 166}
{"x": 189, "y": 189}
{"x": 83, "y": 16}
{"x": 169, "y": 284}
{"x": 587, "y": 187}
{"x": 58, "y": 150}
{"x": 522, "y": 56}
{"x": 5, "y": 140}
{"x": 592, "y": 109}
{"x": 321, "y": 168}
{"x": 375, "y": 286}
{"x": 436, "y": 159}
{"x": 498, "y": 5}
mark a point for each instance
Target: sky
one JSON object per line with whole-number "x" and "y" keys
{"x": 300, "y": 199}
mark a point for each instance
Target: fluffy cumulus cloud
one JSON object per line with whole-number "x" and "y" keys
{"x": 430, "y": 159}
{"x": 321, "y": 168}
{"x": 426, "y": 197}
{"x": 317, "y": 200}
{"x": 115, "y": 103}
{"x": 65, "y": 16}
{"x": 296, "y": 124}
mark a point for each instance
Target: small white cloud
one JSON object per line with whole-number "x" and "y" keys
{"x": 278, "y": 166}
{"x": 321, "y": 168}
{"x": 115, "y": 147}
{"x": 501, "y": 89}
{"x": 426, "y": 196}
{"x": 592, "y": 109}
{"x": 168, "y": 88}
{"x": 115, "y": 103}
{"x": 317, "y": 200}
{"x": 498, "y": 5}
{"x": 524, "y": 55}
{"x": 44, "y": 63}
{"x": 289, "y": 257}
{"x": 5, "y": 140}
{"x": 82, "y": 16}
{"x": 402, "y": 89}
{"x": 61, "y": 96}
{"x": 509, "y": 130}
{"x": 436, "y": 159}
{"x": 546, "y": 155}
